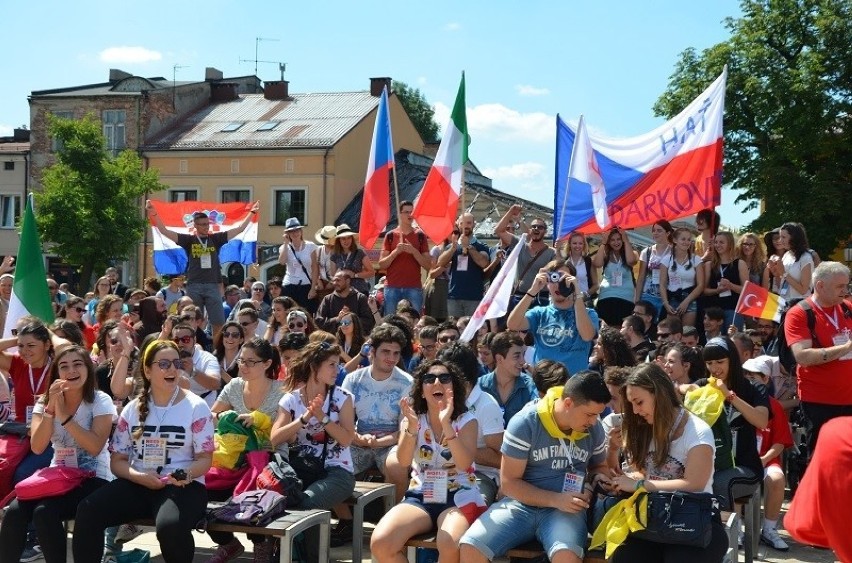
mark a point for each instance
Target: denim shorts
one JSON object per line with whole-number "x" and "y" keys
{"x": 433, "y": 509}
{"x": 366, "y": 458}
{"x": 509, "y": 523}
{"x": 674, "y": 303}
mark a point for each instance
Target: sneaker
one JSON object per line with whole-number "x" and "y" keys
{"x": 227, "y": 552}
{"x": 341, "y": 534}
{"x": 127, "y": 532}
{"x": 263, "y": 551}
{"x": 772, "y": 539}
{"x": 109, "y": 558}
{"x": 740, "y": 539}
{"x": 32, "y": 552}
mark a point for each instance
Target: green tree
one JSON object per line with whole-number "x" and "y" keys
{"x": 90, "y": 206}
{"x": 788, "y": 135}
{"x": 419, "y": 111}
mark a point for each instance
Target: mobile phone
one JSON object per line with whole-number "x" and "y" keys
{"x": 616, "y": 420}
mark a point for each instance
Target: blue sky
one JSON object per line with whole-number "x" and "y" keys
{"x": 524, "y": 61}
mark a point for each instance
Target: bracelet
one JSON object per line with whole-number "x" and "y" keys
{"x": 66, "y": 421}
{"x": 530, "y": 295}
{"x": 453, "y": 437}
{"x": 731, "y": 396}
{"x": 639, "y": 484}
{"x": 188, "y": 475}
{"x": 303, "y": 421}
{"x": 410, "y": 433}
{"x": 824, "y": 356}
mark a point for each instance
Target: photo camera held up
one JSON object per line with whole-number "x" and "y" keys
{"x": 564, "y": 287}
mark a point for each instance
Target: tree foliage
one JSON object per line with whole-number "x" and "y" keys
{"x": 419, "y": 111}
{"x": 90, "y": 206}
{"x": 788, "y": 132}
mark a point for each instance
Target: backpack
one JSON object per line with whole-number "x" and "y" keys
{"x": 785, "y": 353}
{"x": 279, "y": 476}
{"x": 254, "y": 508}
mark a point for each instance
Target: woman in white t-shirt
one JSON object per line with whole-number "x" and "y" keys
{"x": 577, "y": 250}
{"x": 76, "y": 419}
{"x": 795, "y": 269}
{"x": 651, "y": 261}
{"x": 667, "y": 449}
{"x": 298, "y": 255}
{"x": 682, "y": 279}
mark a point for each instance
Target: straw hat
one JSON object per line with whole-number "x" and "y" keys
{"x": 344, "y": 231}
{"x": 326, "y": 235}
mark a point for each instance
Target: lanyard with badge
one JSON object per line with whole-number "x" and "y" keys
{"x": 617, "y": 274}
{"x": 574, "y": 480}
{"x": 840, "y": 337}
{"x": 154, "y": 447}
{"x": 727, "y": 292}
{"x": 34, "y": 387}
{"x": 205, "y": 258}
{"x": 435, "y": 480}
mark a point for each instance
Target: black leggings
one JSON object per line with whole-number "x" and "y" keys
{"x": 176, "y": 512}
{"x": 634, "y": 549}
{"x": 48, "y": 515}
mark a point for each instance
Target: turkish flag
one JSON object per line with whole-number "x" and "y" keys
{"x": 755, "y": 301}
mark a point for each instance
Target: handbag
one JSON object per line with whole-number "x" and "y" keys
{"x": 51, "y": 482}
{"x": 279, "y": 476}
{"x": 13, "y": 449}
{"x": 677, "y": 518}
{"x": 309, "y": 467}
{"x": 254, "y": 508}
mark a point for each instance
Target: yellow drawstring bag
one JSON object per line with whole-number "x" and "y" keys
{"x": 707, "y": 403}
{"x": 619, "y": 522}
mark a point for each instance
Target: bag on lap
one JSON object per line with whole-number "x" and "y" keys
{"x": 51, "y": 482}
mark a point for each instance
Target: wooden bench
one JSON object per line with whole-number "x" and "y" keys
{"x": 365, "y": 493}
{"x": 529, "y": 550}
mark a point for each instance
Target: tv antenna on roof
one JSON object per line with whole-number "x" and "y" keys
{"x": 257, "y": 41}
{"x": 174, "y": 82}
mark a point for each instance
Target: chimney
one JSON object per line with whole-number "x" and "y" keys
{"x": 211, "y": 74}
{"x": 223, "y": 91}
{"x": 116, "y": 75}
{"x": 21, "y": 135}
{"x": 276, "y": 90}
{"x": 376, "y": 85}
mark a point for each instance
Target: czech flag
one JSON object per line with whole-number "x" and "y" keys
{"x": 170, "y": 259}
{"x": 757, "y": 301}
{"x": 672, "y": 172}
{"x": 375, "y": 208}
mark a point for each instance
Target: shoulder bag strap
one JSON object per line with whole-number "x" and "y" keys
{"x": 328, "y": 413}
{"x": 296, "y": 256}
{"x": 528, "y": 266}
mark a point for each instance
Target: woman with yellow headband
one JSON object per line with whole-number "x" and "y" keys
{"x": 161, "y": 448}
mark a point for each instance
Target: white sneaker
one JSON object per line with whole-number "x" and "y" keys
{"x": 127, "y": 532}
{"x": 772, "y": 539}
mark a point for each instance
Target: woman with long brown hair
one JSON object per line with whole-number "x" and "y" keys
{"x": 617, "y": 258}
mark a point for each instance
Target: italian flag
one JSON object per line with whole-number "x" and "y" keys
{"x": 436, "y": 209}
{"x": 30, "y": 295}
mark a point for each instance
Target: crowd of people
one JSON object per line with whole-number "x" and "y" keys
{"x": 520, "y": 433}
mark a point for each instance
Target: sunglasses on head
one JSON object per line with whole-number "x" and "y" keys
{"x": 166, "y": 364}
{"x": 229, "y": 334}
{"x": 183, "y": 339}
{"x": 294, "y": 326}
{"x": 443, "y": 378}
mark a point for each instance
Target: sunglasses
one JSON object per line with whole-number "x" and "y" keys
{"x": 294, "y": 326}
{"x": 80, "y": 310}
{"x": 14, "y": 332}
{"x": 443, "y": 378}
{"x": 229, "y": 334}
{"x": 661, "y": 335}
{"x": 183, "y": 339}
{"x": 445, "y": 339}
{"x": 257, "y": 289}
{"x": 346, "y": 322}
{"x": 248, "y": 362}
{"x": 246, "y": 323}
{"x": 747, "y": 244}
{"x": 166, "y": 364}
{"x": 537, "y": 227}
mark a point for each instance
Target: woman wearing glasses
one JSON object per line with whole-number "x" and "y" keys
{"x": 73, "y": 311}
{"x": 227, "y": 349}
{"x": 298, "y": 320}
{"x": 255, "y": 390}
{"x": 161, "y": 449}
{"x": 349, "y": 257}
{"x": 750, "y": 251}
{"x": 437, "y": 439}
{"x": 350, "y": 335}
{"x": 317, "y": 417}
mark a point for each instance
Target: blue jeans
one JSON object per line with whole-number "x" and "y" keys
{"x": 394, "y": 295}
{"x": 32, "y": 463}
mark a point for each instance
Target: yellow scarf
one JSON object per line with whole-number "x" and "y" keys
{"x": 619, "y": 521}
{"x": 546, "y": 406}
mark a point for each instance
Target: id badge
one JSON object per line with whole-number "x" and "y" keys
{"x": 617, "y": 278}
{"x": 573, "y": 482}
{"x": 839, "y": 340}
{"x": 29, "y": 415}
{"x": 65, "y": 457}
{"x": 759, "y": 441}
{"x": 726, "y": 293}
{"x": 461, "y": 263}
{"x": 206, "y": 261}
{"x": 153, "y": 453}
{"x": 435, "y": 486}
{"x": 655, "y": 275}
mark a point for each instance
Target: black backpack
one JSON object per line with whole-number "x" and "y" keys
{"x": 785, "y": 353}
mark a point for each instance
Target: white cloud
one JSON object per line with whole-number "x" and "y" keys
{"x": 452, "y": 26}
{"x": 527, "y": 90}
{"x": 126, "y": 54}
{"x": 521, "y": 171}
{"x": 421, "y": 81}
{"x": 497, "y": 122}
{"x": 6, "y": 130}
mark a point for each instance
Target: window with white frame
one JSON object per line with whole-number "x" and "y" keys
{"x": 289, "y": 203}
{"x": 56, "y": 144}
{"x": 10, "y": 210}
{"x": 235, "y": 195}
{"x": 114, "y": 129}
{"x": 183, "y": 194}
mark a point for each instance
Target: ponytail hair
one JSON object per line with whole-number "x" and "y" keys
{"x": 147, "y": 361}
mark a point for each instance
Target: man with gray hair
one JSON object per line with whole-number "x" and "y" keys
{"x": 818, "y": 330}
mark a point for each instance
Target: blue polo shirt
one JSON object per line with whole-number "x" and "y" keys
{"x": 557, "y": 338}
{"x": 467, "y": 279}
{"x": 523, "y": 392}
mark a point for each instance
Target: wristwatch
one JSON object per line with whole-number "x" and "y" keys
{"x": 325, "y": 420}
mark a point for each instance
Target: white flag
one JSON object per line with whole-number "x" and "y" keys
{"x": 496, "y": 301}
{"x": 584, "y": 168}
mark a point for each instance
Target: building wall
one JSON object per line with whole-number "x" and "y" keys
{"x": 12, "y": 183}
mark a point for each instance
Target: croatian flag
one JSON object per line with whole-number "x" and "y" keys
{"x": 170, "y": 259}
{"x": 375, "y": 208}
{"x": 671, "y": 172}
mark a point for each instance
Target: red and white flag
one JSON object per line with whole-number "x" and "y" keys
{"x": 495, "y": 304}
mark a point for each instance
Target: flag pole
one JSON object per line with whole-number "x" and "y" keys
{"x": 567, "y": 176}
{"x": 395, "y": 191}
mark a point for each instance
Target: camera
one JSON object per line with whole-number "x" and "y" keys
{"x": 564, "y": 288}
{"x": 554, "y": 277}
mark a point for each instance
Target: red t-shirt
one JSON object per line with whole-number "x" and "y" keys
{"x": 19, "y": 371}
{"x": 778, "y": 432}
{"x": 829, "y": 383}
{"x": 404, "y": 271}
